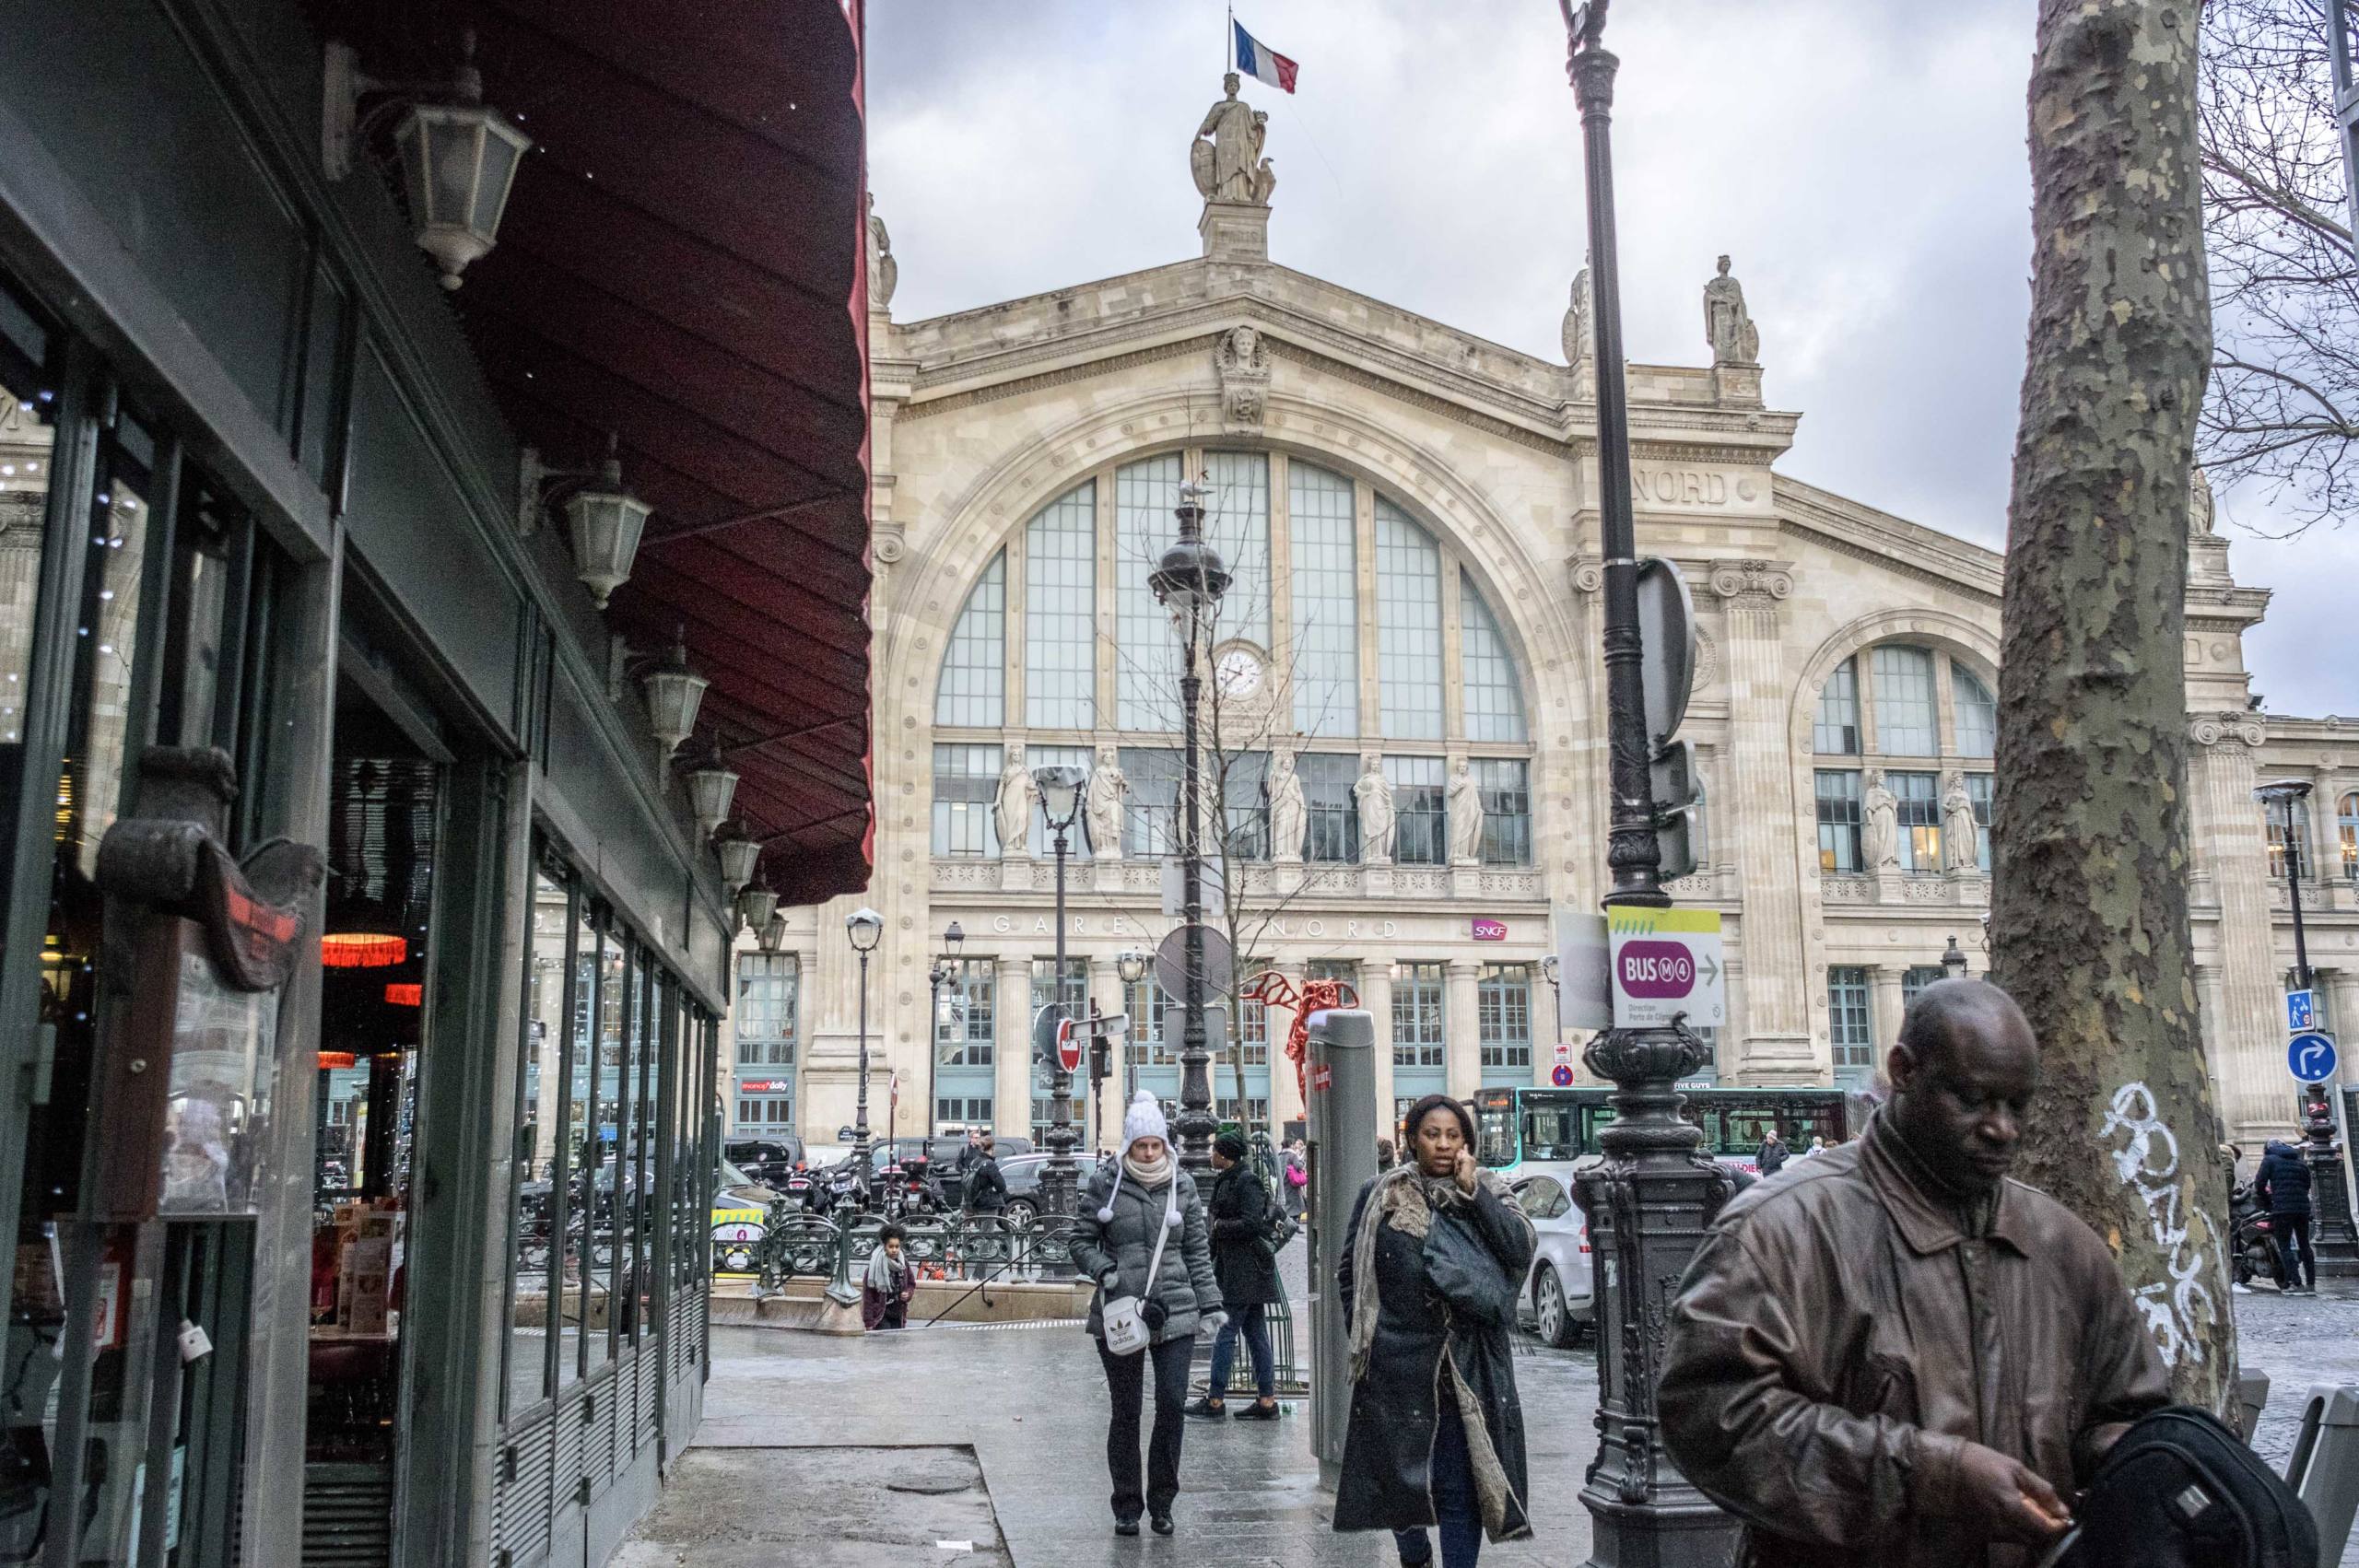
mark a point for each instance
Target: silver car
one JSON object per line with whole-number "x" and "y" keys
{"x": 1559, "y": 1292}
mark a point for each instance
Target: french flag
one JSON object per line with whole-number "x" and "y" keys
{"x": 1259, "y": 61}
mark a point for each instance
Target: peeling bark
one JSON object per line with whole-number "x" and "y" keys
{"x": 2091, "y": 835}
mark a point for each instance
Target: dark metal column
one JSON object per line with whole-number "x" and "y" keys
{"x": 1059, "y": 1177}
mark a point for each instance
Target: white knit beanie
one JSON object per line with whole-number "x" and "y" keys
{"x": 1143, "y": 1120}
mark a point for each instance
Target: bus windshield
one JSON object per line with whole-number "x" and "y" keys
{"x": 1559, "y": 1125}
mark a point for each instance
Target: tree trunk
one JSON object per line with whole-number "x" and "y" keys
{"x": 2090, "y": 922}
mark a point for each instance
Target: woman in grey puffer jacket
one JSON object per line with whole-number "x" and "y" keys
{"x": 1125, "y": 1206}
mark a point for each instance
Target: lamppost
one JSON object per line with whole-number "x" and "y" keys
{"x": 1953, "y": 961}
{"x": 2335, "y": 1237}
{"x": 944, "y": 970}
{"x": 1187, "y": 583}
{"x": 865, "y": 927}
{"x": 1130, "y": 963}
{"x": 1649, "y": 1199}
{"x": 1062, "y": 787}
{"x": 2289, "y": 793}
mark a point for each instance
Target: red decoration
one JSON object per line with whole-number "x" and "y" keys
{"x": 329, "y": 1059}
{"x": 405, "y": 994}
{"x": 362, "y": 950}
{"x": 1272, "y": 989}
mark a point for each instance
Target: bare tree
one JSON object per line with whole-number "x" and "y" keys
{"x": 2089, "y": 912}
{"x": 2284, "y": 398}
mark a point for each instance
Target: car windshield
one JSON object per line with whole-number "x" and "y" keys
{"x": 731, "y": 1176}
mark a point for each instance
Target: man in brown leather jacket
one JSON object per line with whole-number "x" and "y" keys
{"x": 1890, "y": 1354}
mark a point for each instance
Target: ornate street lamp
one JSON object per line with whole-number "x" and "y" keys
{"x": 1188, "y": 582}
{"x": 740, "y": 854}
{"x": 1649, "y": 1201}
{"x": 755, "y": 907}
{"x": 603, "y": 520}
{"x": 712, "y": 785}
{"x": 673, "y": 694}
{"x": 864, "y": 927}
{"x": 944, "y": 970}
{"x": 1061, "y": 787}
{"x": 1131, "y": 964}
{"x": 773, "y": 937}
{"x": 1953, "y": 961}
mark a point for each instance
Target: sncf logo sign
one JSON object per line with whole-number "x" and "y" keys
{"x": 1487, "y": 929}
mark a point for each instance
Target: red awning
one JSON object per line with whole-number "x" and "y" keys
{"x": 683, "y": 264}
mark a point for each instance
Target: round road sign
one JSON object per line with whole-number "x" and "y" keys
{"x": 1561, "y": 1075}
{"x": 1171, "y": 963}
{"x": 2311, "y": 1057}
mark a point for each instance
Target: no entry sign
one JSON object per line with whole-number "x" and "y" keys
{"x": 1665, "y": 962}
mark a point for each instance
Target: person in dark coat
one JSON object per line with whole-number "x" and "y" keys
{"x": 888, "y": 1285}
{"x": 985, "y": 1188}
{"x": 1437, "y": 1251}
{"x": 2283, "y": 1183}
{"x": 1772, "y": 1158}
{"x": 1247, "y": 1271}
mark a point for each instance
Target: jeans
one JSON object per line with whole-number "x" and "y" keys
{"x": 2290, "y": 1229}
{"x": 1125, "y": 1382}
{"x": 1254, "y": 1324}
{"x": 1456, "y": 1510}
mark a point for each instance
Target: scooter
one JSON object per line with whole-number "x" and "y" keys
{"x": 2252, "y": 1249}
{"x": 801, "y": 1192}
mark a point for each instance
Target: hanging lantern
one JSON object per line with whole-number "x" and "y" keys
{"x": 774, "y": 932}
{"x": 713, "y": 785}
{"x": 674, "y": 691}
{"x": 606, "y": 521}
{"x": 757, "y": 904}
{"x": 362, "y": 950}
{"x": 740, "y": 853}
{"x": 405, "y": 994}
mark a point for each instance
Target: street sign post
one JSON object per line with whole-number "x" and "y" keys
{"x": 1584, "y": 970}
{"x": 1171, "y": 963}
{"x": 2301, "y": 1011}
{"x": 1212, "y": 886}
{"x": 1175, "y": 1021}
{"x": 1667, "y": 635}
{"x": 2311, "y": 1057}
{"x": 1667, "y": 964}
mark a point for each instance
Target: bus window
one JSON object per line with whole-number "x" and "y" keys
{"x": 1552, "y": 1130}
{"x": 1495, "y": 1128}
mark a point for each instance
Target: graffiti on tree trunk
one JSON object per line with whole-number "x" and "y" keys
{"x": 2180, "y": 1310}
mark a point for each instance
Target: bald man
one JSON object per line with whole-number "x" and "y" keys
{"x": 1891, "y": 1354}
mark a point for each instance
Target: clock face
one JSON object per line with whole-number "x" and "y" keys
{"x": 1240, "y": 673}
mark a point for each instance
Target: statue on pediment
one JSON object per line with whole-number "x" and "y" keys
{"x": 1289, "y": 814}
{"x": 1226, "y": 157}
{"x": 1103, "y": 805}
{"x": 1728, "y": 326}
{"x": 1013, "y": 810}
{"x": 1881, "y": 824}
{"x": 2198, "y": 504}
{"x": 1378, "y": 814}
{"x": 1462, "y": 814}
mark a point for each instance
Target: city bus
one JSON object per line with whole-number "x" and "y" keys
{"x": 1521, "y": 1130}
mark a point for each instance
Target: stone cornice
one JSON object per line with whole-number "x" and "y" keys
{"x": 1869, "y": 534}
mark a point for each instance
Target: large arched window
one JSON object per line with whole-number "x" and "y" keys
{"x": 1349, "y": 631}
{"x": 1912, "y": 718}
{"x": 2346, "y": 825}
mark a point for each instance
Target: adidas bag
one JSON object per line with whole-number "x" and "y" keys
{"x": 2181, "y": 1491}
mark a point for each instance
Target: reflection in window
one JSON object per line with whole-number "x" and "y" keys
{"x": 1904, "y": 696}
{"x": 1493, "y": 697}
{"x": 1507, "y": 810}
{"x": 973, "y": 688}
{"x": 1838, "y": 791}
{"x": 1420, "y": 834}
{"x": 538, "y": 1083}
{"x": 1060, "y": 613}
{"x": 1919, "y": 795}
{"x": 1326, "y": 602}
{"x": 1974, "y": 712}
{"x": 1408, "y": 627}
{"x": 1837, "y": 733}
{"x": 966, "y": 781}
{"x": 1146, "y": 662}
{"x": 1334, "y": 814}
{"x": 1417, "y": 1040}
{"x": 1848, "y": 1025}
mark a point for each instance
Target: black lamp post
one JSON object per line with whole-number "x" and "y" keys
{"x": 1130, "y": 963}
{"x": 944, "y": 970}
{"x": 1649, "y": 1199}
{"x": 2336, "y": 1237}
{"x": 1062, "y": 787}
{"x": 1953, "y": 961}
{"x": 865, "y": 927}
{"x": 1188, "y": 582}
{"x": 2290, "y": 793}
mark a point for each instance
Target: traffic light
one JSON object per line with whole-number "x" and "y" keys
{"x": 1678, "y": 791}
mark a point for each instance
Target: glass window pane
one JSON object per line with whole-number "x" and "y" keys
{"x": 540, "y": 1072}
{"x": 1326, "y": 602}
{"x": 973, "y": 688}
{"x": 1848, "y": 1025}
{"x": 966, "y": 782}
{"x": 1151, "y": 810}
{"x": 1919, "y": 795}
{"x": 1245, "y": 802}
{"x": 580, "y": 1001}
{"x": 1507, "y": 810}
{"x": 1503, "y": 1022}
{"x": 1977, "y": 715}
{"x": 1144, "y": 1000}
{"x": 1408, "y": 627}
{"x": 1420, "y": 834}
{"x": 1837, "y": 733}
{"x": 1334, "y": 814}
{"x": 1418, "y": 1038}
{"x": 1838, "y": 821}
{"x": 1915, "y": 979}
{"x": 1237, "y": 523}
{"x": 967, "y": 1023}
{"x": 1060, "y": 613}
{"x": 2346, "y": 822}
{"x": 600, "y": 1135}
{"x": 1147, "y": 667}
{"x": 1904, "y": 695}
{"x": 1494, "y": 695}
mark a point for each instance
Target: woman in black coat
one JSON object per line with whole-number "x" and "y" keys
{"x": 1436, "y": 1256}
{"x": 1248, "y": 1271}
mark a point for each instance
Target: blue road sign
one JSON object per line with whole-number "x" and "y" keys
{"x": 2301, "y": 1011}
{"x": 2311, "y": 1057}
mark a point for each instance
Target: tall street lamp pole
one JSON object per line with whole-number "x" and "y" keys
{"x": 944, "y": 970}
{"x": 2335, "y": 1238}
{"x": 1649, "y": 1199}
{"x": 1188, "y": 582}
{"x": 1131, "y": 965}
{"x": 1062, "y": 787}
{"x": 2290, "y": 793}
{"x": 864, "y": 926}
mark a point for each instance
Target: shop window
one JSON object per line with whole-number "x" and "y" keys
{"x": 1421, "y": 826}
{"x": 1507, "y": 810}
{"x": 554, "y": 919}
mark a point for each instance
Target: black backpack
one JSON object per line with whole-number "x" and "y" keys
{"x": 2181, "y": 1491}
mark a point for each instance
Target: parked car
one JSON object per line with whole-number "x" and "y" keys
{"x": 767, "y": 1160}
{"x": 1559, "y": 1292}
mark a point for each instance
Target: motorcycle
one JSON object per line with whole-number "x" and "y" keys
{"x": 801, "y": 1191}
{"x": 2252, "y": 1250}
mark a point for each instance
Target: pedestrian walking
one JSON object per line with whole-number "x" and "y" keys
{"x": 1247, "y": 1266}
{"x": 1900, "y": 1358}
{"x": 2283, "y": 1183}
{"x": 1141, "y": 1235}
{"x": 986, "y": 1186}
{"x": 887, "y": 1288}
{"x": 1437, "y": 1252}
{"x": 1817, "y": 1146}
{"x": 1772, "y": 1158}
{"x": 1298, "y": 1177}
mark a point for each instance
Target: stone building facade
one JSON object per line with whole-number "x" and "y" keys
{"x": 1413, "y": 515}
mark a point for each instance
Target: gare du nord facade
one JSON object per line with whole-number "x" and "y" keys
{"x": 338, "y": 740}
{"x": 1411, "y": 513}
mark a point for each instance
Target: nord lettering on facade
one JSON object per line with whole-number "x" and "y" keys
{"x": 1677, "y": 486}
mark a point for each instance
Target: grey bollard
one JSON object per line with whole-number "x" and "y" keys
{"x": 2252, "y": 1398}
{"x": 2324, "y": 1467}
{"x": 1342, "y": 1136}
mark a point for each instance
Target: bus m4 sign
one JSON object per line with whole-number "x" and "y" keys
{"x": 1666, "y": 964}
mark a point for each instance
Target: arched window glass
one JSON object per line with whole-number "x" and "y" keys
{"x": 1836, "y": 733}
{"x": 1059, "y": 613}
{"x": 2346, "y": 822}
{"x": 1237, "y": 524}
{"x": 1977, "y": 713}
{"x": 1903, "y": 698}
{"x": 973, "y": 688}
{"x": 1408, "y": 627}
{"x": 1146, "y": 657}
{"x": 1493, "y": 699}
{"x": 1326, "y": 602}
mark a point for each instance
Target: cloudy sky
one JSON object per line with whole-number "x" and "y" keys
{"x": 1862, "y": 160}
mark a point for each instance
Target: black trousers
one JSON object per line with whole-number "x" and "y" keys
{"x": 1125, "y": 1383}
{"x": 2293, "y": 1231}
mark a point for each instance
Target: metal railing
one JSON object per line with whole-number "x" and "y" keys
{"x": 951, "y": 1246}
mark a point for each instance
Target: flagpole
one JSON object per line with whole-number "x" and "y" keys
{"x": 1228, "y": 45}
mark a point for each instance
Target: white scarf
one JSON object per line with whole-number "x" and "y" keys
{"x": 881, "y": 1272}
{"x": 1146, "y": 1175}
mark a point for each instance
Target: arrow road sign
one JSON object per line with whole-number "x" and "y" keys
{"x": 1666, "y": 962}
{"x": 2311, "y": 1057}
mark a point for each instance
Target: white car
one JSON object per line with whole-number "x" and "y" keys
{"x": 1559, "y": 1290}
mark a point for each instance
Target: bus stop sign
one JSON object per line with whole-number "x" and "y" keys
{"x": 1666, "y": 964}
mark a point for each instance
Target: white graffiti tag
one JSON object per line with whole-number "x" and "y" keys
{"x": 2179, "y": 1310}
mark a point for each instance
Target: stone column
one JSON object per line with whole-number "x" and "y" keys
{"x": 1011, "y": 1073}
{"x": 1884, "y": 982}
{"x": 1777, "y": 1046}
{"x": 1376, "y": 995}
{"x": 1462, "y": 1028}
{"x": 2245, "y": 1038}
